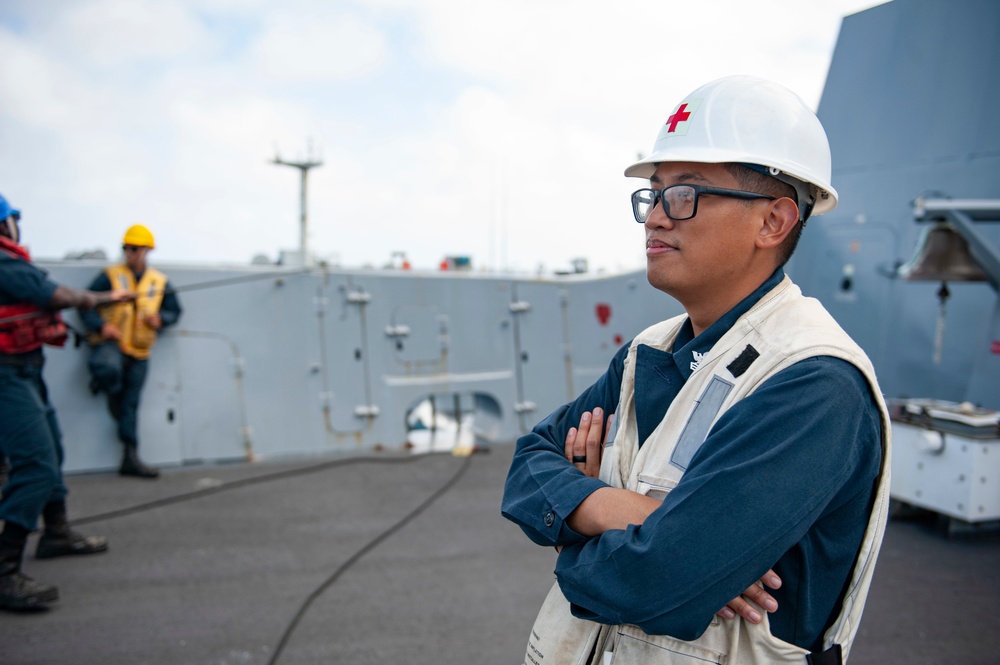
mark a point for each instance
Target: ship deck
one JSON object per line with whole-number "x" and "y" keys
{"x": 391, "y": 559}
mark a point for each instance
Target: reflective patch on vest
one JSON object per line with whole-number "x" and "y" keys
{"x": 743, "y": 361}
{"x": 696, "y": 430}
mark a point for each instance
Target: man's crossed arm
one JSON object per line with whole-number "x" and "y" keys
{"x": 612, "y": 508}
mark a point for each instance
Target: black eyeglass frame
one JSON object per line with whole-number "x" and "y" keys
{"x": 698, "y": 191}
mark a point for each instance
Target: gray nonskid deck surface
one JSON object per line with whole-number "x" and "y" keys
{"x": 218, "y": 578}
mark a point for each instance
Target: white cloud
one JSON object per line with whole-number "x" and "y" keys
{"x": 497, "y": 129}
{"x": 311, "y": 48}
{"x": 40, "y": 91}
{"x": 118, "y": 32}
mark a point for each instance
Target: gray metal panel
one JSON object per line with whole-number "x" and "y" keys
{"x": 541, "y": 336}
{"x": 909, "y": 107}
{"x": 415, "y": 332}
{"x": 604, "y": 315}
{"x": 983, "y": 384}
{"x": 909, "y": 83}
{"x": 473, "y": 341}
{"x": 273, "y": 325}
{"x": 344, "y": 390}
{"x": 206, "y": 402}
{"x": 260, "y": 353}
{"x": 848, "y": 272}
{"x": 160, "y": 414}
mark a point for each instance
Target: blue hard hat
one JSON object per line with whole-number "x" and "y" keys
{"x": 6, "y": 210}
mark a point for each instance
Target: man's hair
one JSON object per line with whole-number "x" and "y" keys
{"x": 754, "y": 181}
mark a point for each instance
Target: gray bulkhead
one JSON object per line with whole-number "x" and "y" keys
{"x": 910, "y": 107}
{"x": 269, "y": 362}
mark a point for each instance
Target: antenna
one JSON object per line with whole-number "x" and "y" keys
{"x": 303, "y": 167}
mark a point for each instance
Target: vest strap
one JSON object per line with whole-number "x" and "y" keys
{"x": 831, "y": 656}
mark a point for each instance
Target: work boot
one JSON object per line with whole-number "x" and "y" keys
{"x": 19, "y": 592}
{"x": 133, "y": 466}
{"x": 64, "y": 540}
{"x": 58, "y": 539}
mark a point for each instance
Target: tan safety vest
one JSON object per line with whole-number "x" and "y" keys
{"x": 783, "y": 328}
{"x": 137, "y": 338}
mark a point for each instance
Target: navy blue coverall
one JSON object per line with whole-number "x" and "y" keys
{"x": 30, "y": 437}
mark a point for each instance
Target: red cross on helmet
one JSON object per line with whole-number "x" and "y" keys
{"x": 748, "y": 120}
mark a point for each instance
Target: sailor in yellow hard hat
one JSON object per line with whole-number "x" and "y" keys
{"x": 122, "y": 338}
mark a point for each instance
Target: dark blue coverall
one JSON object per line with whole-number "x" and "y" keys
{"x": 30, "y": 437}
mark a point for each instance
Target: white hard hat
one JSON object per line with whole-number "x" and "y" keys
{"x": 754, "y": 122}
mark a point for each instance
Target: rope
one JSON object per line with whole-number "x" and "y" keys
{"x": 292, "y": 473}
{"x": 357, "y": 556}
{"x": 228, "y": 281}
{"x": 236, "y": 484}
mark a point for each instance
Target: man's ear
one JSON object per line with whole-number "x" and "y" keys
{"x": 782, "y": 216}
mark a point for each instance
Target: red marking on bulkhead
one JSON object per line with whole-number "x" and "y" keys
{"x": 603, "y": 311}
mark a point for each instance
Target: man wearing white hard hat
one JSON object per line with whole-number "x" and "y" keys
{"x": 745, "y": 440}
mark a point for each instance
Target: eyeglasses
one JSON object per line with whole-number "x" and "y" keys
{"x": 130, "y": 248}
{"x": 680, "y": 202}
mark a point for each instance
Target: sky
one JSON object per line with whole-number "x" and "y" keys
{"x": 492, "y": 129}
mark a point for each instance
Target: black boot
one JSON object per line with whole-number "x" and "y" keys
{"x": 19, "y": 592}
{"x": 133, "y": 466}
{"x": 58, "y": 539}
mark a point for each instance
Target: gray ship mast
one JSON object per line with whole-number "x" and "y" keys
{"x": 303, "y": 167}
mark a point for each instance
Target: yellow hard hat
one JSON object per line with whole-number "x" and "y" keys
{"x": 138, "y": 236}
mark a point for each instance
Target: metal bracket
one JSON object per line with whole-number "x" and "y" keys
{"x": 359, "y": 297}
{"x": 397, "y": 331}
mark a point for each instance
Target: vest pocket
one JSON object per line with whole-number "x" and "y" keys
{"x": 656, "y": 487}
{"x": 633, "y": 646}
{"x": 143, "y": 337}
